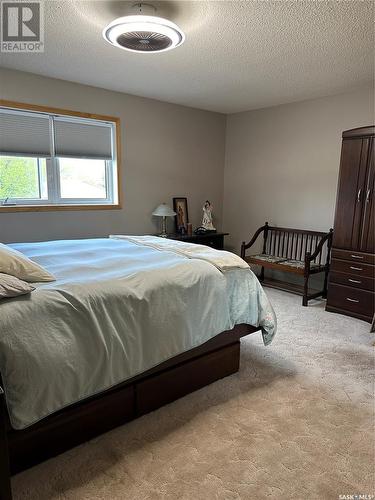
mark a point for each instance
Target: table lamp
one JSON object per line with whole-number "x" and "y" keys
{"x": 163, "y": 211}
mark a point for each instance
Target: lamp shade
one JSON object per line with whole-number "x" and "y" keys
{"x": 163, "y": 211}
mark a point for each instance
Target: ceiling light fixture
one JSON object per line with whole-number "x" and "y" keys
{"x": 143, "y": 32}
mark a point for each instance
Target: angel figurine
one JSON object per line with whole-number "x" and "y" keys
{"x": 207, "y": 217}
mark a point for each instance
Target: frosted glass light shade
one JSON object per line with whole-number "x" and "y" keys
{"x": 163, "y": 211}
{"x": 146, "y": 34}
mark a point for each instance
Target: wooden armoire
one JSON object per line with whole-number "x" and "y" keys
{"x": 352, "y": 278}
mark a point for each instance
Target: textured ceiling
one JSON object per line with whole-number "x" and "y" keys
{"x": 237, "y": 56}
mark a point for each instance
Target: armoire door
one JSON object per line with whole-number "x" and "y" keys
{"x": 367, "y": 243}
{"x": 351, "y": 193}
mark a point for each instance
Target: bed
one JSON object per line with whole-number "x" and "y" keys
{"x": 130, "y": 323}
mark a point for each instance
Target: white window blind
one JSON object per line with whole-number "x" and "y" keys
{"x": 24, "y": 134}
{"x": 51, "y": 158}
{"x": 78, "y": 139}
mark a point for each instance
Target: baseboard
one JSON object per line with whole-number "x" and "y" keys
{"x": 286, "y": 286}
{"x": 368, "y": 319}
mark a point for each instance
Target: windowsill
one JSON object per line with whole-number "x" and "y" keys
{"x": 51, "y": 208}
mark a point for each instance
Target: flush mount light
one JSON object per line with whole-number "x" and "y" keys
{"x": 143, "y": 33}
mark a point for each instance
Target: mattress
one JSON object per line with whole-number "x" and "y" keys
{"x": 116, "y": 309}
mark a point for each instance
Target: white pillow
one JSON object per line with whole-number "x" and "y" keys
{"x": 10, "y": 286}
{"x": 17, "y": 264}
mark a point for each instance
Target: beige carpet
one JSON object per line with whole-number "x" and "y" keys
{"x": 295, "y": 423}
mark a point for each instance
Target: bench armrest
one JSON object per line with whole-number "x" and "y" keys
{"x": 245, "y": 246}
{"x": 310, "y": 257}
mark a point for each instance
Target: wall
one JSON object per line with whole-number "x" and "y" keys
{"x": 168, "y": 150}
{"x": 282, "y": 163}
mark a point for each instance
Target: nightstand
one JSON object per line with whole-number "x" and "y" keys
{"x": 214, "y": 240}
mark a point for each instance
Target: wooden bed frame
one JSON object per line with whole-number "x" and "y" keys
{"x": 185, "y": 373}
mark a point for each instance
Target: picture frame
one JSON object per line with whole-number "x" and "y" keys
{"x": 180, "y": 206}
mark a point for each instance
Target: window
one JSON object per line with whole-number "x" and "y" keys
{"x": 23, "y": 178}
{"x": 82, "y": 179}
{"x": 56, "y": 160}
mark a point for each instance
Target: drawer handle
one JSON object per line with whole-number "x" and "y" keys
{"x": 357, "y": 256}
{"x": 356, "y": 268}
{"x": 352, "y": 300}
{"x": 354, "y": 281}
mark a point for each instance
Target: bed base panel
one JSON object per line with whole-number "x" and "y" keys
{"x": 186, "y": 378}
{"x": 181, "y": 375}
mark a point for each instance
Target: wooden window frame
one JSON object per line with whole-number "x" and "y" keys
{"x": 68, "y": 112}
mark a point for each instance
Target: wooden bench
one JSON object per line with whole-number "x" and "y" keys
{"x": 295, "y": 251}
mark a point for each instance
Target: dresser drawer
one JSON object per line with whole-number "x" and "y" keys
{"x": 352, "y": 280}
{"x": 351, "y": 299}
{"x": 350, "y": 267}
{"x": 359, "y": 257}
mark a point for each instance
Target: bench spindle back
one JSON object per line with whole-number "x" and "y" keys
{"x": 293, "y": 244}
